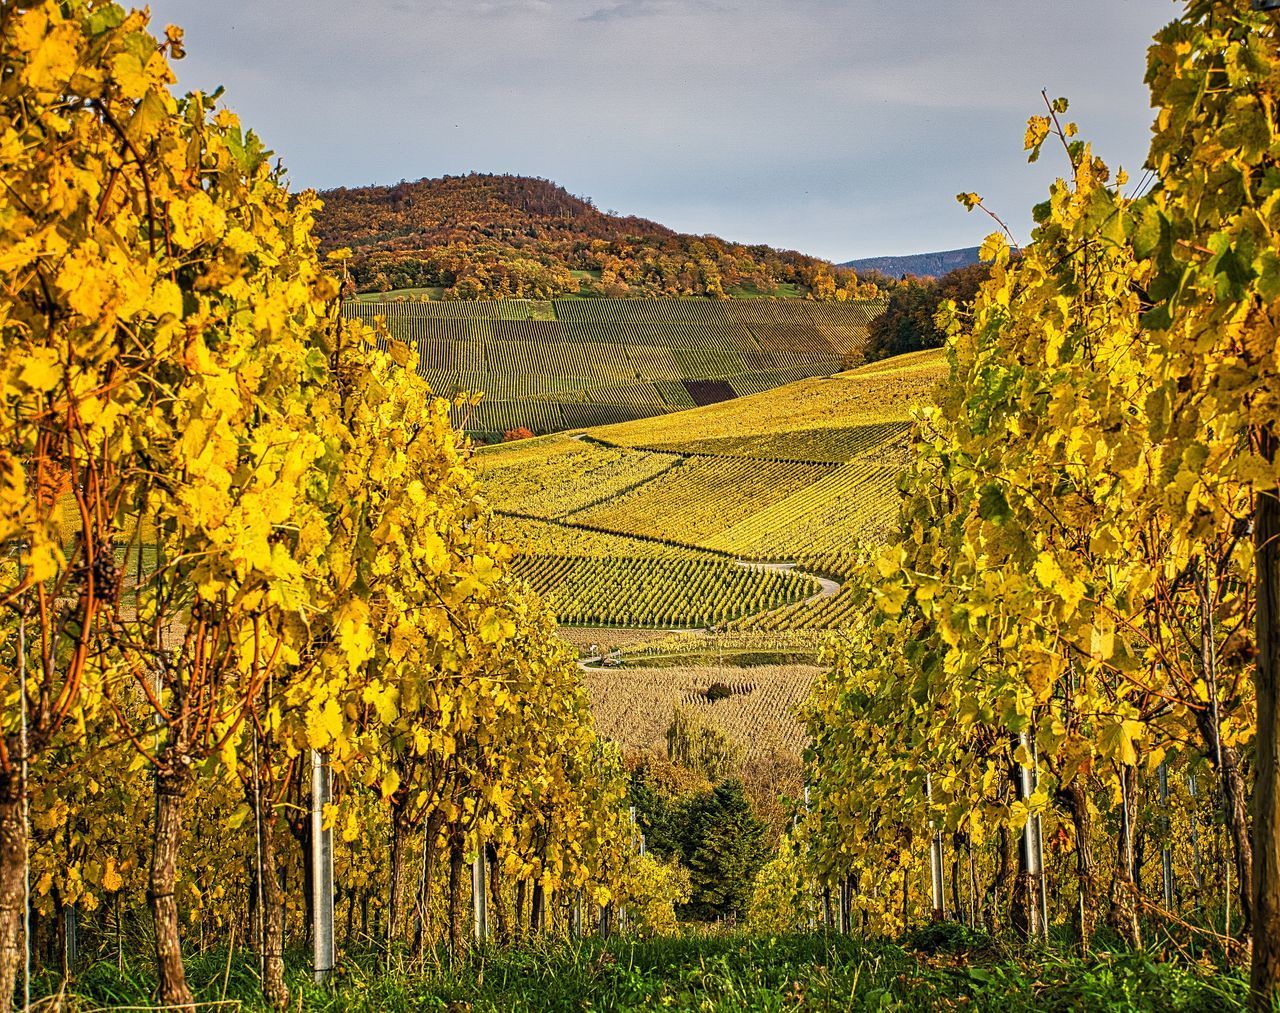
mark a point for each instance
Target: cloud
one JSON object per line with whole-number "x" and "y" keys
{"x": 839, "y": 127}
{"x": 499, "y": 8}
{"x": 481, "y": 8}
{"x": 625, "y": 9}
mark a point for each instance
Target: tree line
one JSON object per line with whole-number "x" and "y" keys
{"x": 486, "y": 236}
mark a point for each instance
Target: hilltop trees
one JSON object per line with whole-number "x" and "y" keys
{"x": 490, "y": 236}
{"x": 909, "y": 323}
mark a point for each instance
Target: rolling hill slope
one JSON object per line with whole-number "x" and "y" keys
{"x": 569, "y": 364}
{"x": 679, "y": 511}
{"x": 499, "y": 236}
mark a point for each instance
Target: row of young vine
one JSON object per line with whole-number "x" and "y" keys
{"x": 1064, "y": 674}
{"x": 242, "y": 548}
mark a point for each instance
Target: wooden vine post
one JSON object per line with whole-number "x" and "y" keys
{"x": 1265, "y": 977}
{"x": 1166, "y": 849}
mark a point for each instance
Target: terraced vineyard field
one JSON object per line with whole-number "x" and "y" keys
{"x": 569, "y": 364}
{"x": 669, "y": 593}
{"x": 828, "y": 414}
{"x": 817, "y": 614}
{"x": 849, "y": 502}
{"x": 536, "y": 537}
{"x": 675, "y": 503}
{"x": 560, "y": 476}
{"x": 635, "y": 706}
{"x": 641, "y": 524}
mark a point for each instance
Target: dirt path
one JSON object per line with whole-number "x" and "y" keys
{"x": 830, "y": 588}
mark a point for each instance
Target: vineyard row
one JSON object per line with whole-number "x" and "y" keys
{"x": 646, "y": 592}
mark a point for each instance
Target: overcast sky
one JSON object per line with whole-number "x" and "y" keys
{"x": 842, "y": 128}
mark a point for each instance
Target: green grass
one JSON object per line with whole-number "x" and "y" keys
{"x": 428, "y": 292}
{"x": 786, "y": 290}
{"x": 717, "y": 972}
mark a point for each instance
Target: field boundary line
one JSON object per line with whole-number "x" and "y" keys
{"x": 622, "y": 492}
{"x": 599, "y": 530}
{"x": 584, "y": 437}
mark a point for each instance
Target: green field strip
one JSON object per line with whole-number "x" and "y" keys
{"x": 635, "y": 393}
{"x": 599, "y": 530}
{"x": 585, "y": 415}
{"x": 605, "y": 362}
{"x": 618, "y": 492}
{"x": 548, "y": 537}
{"x": 830, "y": 445}
{"x": 681, "y": 451}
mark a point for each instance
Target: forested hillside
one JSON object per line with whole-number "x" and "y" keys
{"x": 487, "y": 236}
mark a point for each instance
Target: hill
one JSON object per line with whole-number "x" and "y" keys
{"x": 565, "y": 364}
{"x": 490, "y": 236}
{"x": 738, "y": 514}
{"x": 708, "y": 546}
{"x": 921, "y": 265}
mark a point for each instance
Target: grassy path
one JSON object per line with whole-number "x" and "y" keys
{"x": 726, "y": 972}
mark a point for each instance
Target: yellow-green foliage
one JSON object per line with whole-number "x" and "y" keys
{"x": 279, "y": 546}
{"x": 785, "y": 896}
{"x": 652, "y": 889}
{"x": 883, "y": 392}
{"x": 701, "y": 747}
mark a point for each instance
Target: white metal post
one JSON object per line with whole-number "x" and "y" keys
{"x": 1033, "y": 848}
{"x": 321, "y": 870}
{"x": 935, "y": 856}
{"x": 479, "y": 902}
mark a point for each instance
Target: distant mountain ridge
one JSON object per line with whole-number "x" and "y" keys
{"x": 922, "y": 265}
